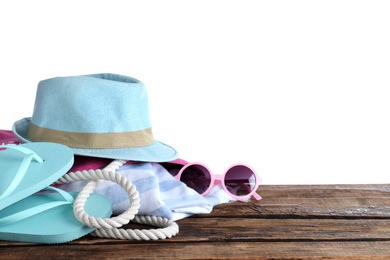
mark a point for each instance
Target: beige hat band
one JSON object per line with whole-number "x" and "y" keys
{"x": 92, "y": 140}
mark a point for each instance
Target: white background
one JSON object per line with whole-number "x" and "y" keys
{"x": 297, "y": 89}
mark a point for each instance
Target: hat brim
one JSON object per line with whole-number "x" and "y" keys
{"x": 156, "y": 152}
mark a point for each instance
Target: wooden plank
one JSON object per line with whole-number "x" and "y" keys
{"x": 342, "y": 221}
{"x": 263, "y": 230}
{"x": 205, "y": 250}
{"x": 325, "y": 191}
{"x": 241, "y": 229}
{"x": 305, "y": 208}
{"x": 312, "y": 201}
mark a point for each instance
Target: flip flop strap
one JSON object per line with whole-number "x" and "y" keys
{"x": 18, "y": 177}
{"x": 38, "y": 209}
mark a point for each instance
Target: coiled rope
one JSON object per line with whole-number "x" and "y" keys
{"x": 109, "y": 227}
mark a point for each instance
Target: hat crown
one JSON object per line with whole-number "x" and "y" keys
{"x": 97, "y": 103}
{"x": 99, "y": 115}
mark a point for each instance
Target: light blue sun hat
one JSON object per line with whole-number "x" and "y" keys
{"x": 99, "y": 115}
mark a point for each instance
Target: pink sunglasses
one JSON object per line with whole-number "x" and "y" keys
{"x": 240, "y": 181}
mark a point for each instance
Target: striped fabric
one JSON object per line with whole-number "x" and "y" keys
{"x": 161, "y": 194}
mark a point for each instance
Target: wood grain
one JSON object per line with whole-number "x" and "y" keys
{"x": 205, "y": 250}
{"x": 291, "y": 222}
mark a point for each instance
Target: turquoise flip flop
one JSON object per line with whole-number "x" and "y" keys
{"x": 48, "y": 218}
{"x": 28, "y": 168}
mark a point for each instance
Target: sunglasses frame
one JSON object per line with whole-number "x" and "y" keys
{"x": 218, "y": 179}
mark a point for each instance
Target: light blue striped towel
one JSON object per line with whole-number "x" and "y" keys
{"x": 160, "y": 194}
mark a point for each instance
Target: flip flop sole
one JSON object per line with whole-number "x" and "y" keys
{"x": 57, "y": 161}
{"x": 56, "y": 225}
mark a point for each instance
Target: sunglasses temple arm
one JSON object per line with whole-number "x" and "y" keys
{"x": 255, "y": 195}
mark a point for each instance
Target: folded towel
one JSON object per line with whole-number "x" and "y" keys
{"x": 7, "y": 137}
{"x": 160, "y": 194}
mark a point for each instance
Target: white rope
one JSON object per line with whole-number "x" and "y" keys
{"x": 108, "y": 227}
{"x": 168, "y": 230}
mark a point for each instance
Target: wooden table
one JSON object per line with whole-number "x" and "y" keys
{"x": 294, "y": 222}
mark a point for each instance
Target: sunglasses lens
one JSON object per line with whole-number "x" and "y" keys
{"x": 240, "y": 180}
{"x": 196, "y": 177}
